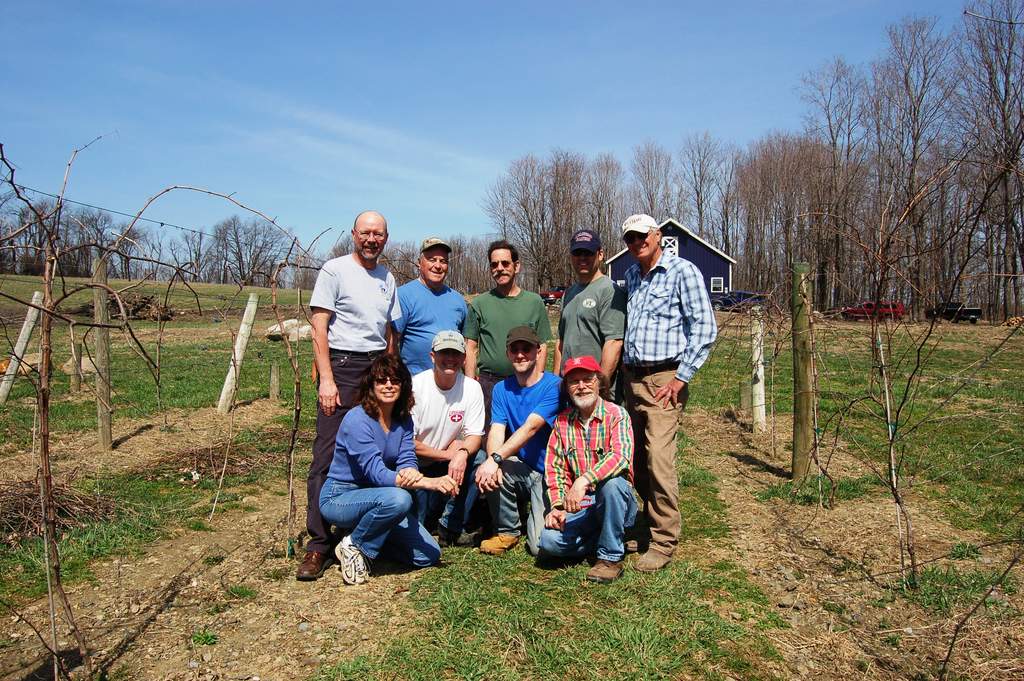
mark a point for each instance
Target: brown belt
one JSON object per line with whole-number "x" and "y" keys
{"x": 640, "y": 371}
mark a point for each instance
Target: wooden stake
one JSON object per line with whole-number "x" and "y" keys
{"x": 757, "y": 375}
{"x": 20, "y": 346}
{"x": 76, "y": 365}
{"x": 227, "y": 393}
{"x": 101, "y": 315}
{"x": 275, "y": 381}
{"x": 745, "y": 397}
{"x": 803, "y": 387}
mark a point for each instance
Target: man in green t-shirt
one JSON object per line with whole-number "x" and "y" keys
{"x": 593, "y": 319}
{"x": 494, "y": 313}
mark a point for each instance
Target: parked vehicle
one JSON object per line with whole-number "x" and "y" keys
{"x": 737, "y": 300}
{"x": 886, "y": 309}
{"x": 954, "y": 311}
{"x": 552, "y": 296}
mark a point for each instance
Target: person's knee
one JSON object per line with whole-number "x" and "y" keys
{"x": 427, "y": 555}
{"x": 614, "y": 489}
{"x": 551, "y": 543}
{"x": 395, "y": 501}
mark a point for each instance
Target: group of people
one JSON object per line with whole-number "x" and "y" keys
{"x": 433, "y": 413}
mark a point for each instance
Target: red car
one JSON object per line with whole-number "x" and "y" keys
{"x": 554, "y": 295}
{"x": 886, "y": 309}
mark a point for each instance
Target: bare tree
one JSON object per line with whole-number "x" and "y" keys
{"x": 701, "y": 159}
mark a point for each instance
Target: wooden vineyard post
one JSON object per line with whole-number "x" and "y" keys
{"x": 803, "y": 388}
{"x": 275, "y": 382}
{"x": 757, "y": 374}
{"x": 227, "y": 393}
{"x": 7, "y": 382}
{"x": 76, "y": 365}
{"x": 101, "y": 315}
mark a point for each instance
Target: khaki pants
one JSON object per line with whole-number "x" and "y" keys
{"x": 655, "y": 430}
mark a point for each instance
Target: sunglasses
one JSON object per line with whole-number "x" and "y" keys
{"x": 387, "y": 379}
{"x": 630, "y": 237}
{"x": 495, "y": 264}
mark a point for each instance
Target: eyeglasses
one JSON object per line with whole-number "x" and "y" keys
{"x": 630, "y": 237}
{"x": 384, "y": 380}
{"x": 373, "y": 235}
{"x": 495, "y": 264}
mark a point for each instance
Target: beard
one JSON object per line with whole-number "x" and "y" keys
{"x": 585, "y": 402}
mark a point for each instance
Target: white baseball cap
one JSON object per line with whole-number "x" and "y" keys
{"x": 448, "y": 340}
{"x": 641, "y": 222}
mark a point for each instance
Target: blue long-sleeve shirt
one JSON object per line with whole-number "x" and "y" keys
{"x": 366, "y": 455}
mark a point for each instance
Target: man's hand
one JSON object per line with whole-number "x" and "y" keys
{"x": 457, "y": 465}
{"x": 576, "y": 494}
{"x": 444, "y": 484}
{"x": 555, "y": 520}
{"x": 328, "y": 396}
{"x": 488, "y": 476}
{"x": 407, "y": 477}
{"x": 668, "y": 394}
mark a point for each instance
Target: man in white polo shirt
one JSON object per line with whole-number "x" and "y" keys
{"x": 353, "y": 305}
{"x": 449, "y": 420}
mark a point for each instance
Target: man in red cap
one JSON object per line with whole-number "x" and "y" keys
{"x": 588, "y": 472}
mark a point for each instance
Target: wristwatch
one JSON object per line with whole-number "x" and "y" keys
{"x": 496, "y": 458}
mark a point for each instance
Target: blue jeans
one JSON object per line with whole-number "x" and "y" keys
{"x": 382, "y": 522}
{"x": 453, "y": 511}
{"x": 602, "y": 525}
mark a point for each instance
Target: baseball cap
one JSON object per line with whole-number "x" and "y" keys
{"x": 522, "y": 333}
{"x": 586, "y": 363}
{"x": 585, "y": 239}
{"x": 641, "y": 222}
{"x": 432, "y": 241}
{"x": 448, "y": 340}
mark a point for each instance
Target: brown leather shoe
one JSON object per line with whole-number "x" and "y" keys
{"x": 605, "y": 571}
{"x": 312, "y": 566}
{"x": 652, "y": 561}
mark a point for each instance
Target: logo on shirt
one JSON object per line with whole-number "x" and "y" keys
{"x": 456, "y": 416}
{"x": 383, "y": 289}
{"x": 589, "y": 303}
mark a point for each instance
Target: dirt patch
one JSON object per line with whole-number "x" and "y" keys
{"x": 831, "y": 573}
{"x": 141, "y": 442}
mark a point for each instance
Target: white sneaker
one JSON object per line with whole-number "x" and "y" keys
{"x": 351, "y": 562}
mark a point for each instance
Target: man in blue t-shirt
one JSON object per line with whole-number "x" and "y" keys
{"x": 428, "y": 306}
{"x": 523, "y": 409}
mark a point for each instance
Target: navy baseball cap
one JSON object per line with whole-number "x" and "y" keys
{"x": 585, "y": 239}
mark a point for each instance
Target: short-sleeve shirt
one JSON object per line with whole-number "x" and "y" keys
{"x": 424, "y": 313}
{"x": 591, "y": 315}
{"x": 361, "y": 302}
{"x": 490, "y": 319}
{"x": 512, "y": 404}
{"x": 441, "y": 416}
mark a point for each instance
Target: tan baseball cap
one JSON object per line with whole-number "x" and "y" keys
{"x": 641, "y": 222}
{"x": 448, "y": 340}
{"x": 432, "y": 241}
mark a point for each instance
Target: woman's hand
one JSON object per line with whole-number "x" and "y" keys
{"x": 407, "y": 478}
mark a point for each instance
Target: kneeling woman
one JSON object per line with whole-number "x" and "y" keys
{"x": 374, "y": 466}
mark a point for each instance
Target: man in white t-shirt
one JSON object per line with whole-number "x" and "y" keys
{"x": 353, "y": 305}
{"x": 449, "y": 418}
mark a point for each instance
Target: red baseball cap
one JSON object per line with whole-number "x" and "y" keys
{"x": 586, "y": 362}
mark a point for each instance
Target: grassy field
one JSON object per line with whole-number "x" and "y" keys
{"x": 959, "y": 436}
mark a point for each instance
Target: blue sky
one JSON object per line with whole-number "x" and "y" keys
{"x": 312, "y": 112}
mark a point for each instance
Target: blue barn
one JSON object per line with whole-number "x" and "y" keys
{"x": 715, "y": 265}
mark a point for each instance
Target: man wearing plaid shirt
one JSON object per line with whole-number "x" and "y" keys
{"x": 587, "y": 469}
{"x": 670, "y": 328}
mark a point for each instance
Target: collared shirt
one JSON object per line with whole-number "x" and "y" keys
{"x": 599, "y": 450}
{"x": 668, "y": 316}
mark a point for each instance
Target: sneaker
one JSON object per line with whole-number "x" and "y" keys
{"x": 652, "y": 561}
{"x": 605, "y": 571}
{"x": 351, "y": 562}
{"x": 499, "y": 544}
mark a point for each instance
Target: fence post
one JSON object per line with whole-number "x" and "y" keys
{"x": 19, "y": 347}
{"x": 101, "y": 315}
{"x": 803, "y": 389}
{"x": 227, "y": 393}
{"x": 744, "y": 387}
{"x": 757, "y": 375}
{"x": 275, "y": 381}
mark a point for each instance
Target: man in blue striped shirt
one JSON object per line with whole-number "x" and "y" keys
{"x": 670, "y": 328}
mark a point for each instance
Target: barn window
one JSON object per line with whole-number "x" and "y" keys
{"x": 717, "y": 284}
{"x": 670, "y": 244}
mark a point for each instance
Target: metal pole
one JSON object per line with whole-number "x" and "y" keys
{"x": 101, "y": 315}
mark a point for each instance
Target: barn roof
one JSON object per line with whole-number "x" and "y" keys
{"x": 693, "y": 236}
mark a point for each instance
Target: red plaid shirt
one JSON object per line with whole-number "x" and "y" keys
{"x": 602, "y": 453}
